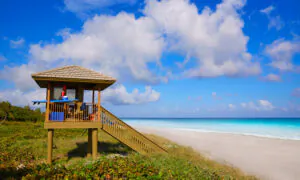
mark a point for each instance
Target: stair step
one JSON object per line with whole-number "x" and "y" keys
{"x": 128, "y": 135}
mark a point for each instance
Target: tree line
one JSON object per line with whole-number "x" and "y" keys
{"x": 16, "y": 113}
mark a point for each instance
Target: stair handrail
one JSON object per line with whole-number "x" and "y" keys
{"x": 131, "y": 128}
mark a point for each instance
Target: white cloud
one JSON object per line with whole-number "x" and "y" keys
{"x": 82, "y": 7}
{"x": 260, "y": 105}
{"x": 129, "y": 48}
{"x": 267, "y": 10}
{"x": 274, "y": 21}
{"x": 121, "y": 46}
{"x": 64, "y": 33}
{"x": 118, "y": 95}
{"x": 272, "y": 77}
{"x": 214, "y": 38}
{"x": 21, "y": 76}
{"x": 125, "y": 47}
{"x": 17, "y": 97}
{"x": 296, "y": 92}
{"x": 281, "y": 52}
{"x": 17, "y": 43}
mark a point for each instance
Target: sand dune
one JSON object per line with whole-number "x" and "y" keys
{"x": 266, "y": 158}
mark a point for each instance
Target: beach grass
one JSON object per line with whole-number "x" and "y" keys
{"x": 23, "y": 153}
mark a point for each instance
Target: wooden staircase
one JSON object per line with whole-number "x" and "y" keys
{"x": 128, "y": 135}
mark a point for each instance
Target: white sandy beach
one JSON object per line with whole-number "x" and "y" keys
{"x": 266, "y": 158}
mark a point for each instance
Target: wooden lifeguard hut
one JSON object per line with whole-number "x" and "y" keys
{"x": 74, "y": 112}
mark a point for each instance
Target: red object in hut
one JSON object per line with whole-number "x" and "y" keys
{"x": 63, "y": 93}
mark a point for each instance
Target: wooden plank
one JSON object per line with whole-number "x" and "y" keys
{"x": 50, "y": 145}
{"x": 99, "y": 105}
{"x": 80, "y": 93}
{"x": 93, "y": 96}
{"x": 71, "y": 125}
{"x": 93, "y": 102}
{"x": 95, "y": 143}
{"x": 89, "y": 154}
{"x": 48, "y": 102}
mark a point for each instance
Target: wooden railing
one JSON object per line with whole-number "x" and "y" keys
{"x": 75, "y": 112}
{"x": 128, "y": 135}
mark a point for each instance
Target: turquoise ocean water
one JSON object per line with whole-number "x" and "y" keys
{"x": 282, "y": 128}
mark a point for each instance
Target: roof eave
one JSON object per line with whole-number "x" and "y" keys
{"x": 106, "y": 83}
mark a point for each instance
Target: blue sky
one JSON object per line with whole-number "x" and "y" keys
{"x": 172, "y": 58}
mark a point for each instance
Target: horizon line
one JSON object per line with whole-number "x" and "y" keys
{"x": 210, "y": 117}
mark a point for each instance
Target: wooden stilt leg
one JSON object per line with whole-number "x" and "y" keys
{"x": 50, "y": 145}
{"x": 95, "y": 142}
{"x": 89, "y": 154}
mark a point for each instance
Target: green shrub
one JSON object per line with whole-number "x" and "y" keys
{"x": 20, "y": 113}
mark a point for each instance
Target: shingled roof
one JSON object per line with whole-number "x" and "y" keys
{"x": 72, "y": 74}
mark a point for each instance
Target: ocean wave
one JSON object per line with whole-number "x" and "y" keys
{"x": 279, "y": 130}
{"x": 296, "y": 137}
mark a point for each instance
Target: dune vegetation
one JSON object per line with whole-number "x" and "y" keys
{"x": 15, "y": 113}
{"x": 23, "y": 153}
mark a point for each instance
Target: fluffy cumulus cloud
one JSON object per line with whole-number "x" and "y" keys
{"x": 125, "y": 46}
{"x": 21, "y": 76}
{"x": 129, "y": 48}
{"x": 260, "y": 105}
{"x": 214, "y": 38}
{"x": 18, "y": 97}
{"x": 118, "y": 95}
{"x": 281, "y": 52}
{"x": 121, "y": 46}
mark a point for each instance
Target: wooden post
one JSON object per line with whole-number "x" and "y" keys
{"x": 50, "y": 145}
{"x": 48, "y": 102}
{"x": 89, "y": 154}
{"x": 99, "y": 106}
{"x": 93, "y": 96}
{"x": 93, "y": 105}
{"x": 95, "y": 142}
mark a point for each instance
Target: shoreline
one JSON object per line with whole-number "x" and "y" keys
{"x": 234, "y": 133}
{"x": 221, "y": 132}
{"x": 266, "y": 158}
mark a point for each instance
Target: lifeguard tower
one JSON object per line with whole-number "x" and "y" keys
{"x": 74, "y": 112}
